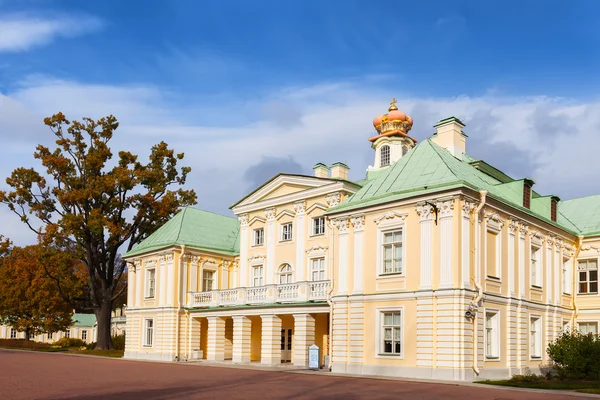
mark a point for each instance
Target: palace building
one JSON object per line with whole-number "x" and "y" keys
{"x": 435, "y": 265}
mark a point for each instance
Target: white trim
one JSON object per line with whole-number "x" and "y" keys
{"x": 147, "y": 282}
{"x": 256, "y": 219}
{"x": 539, "y": 337}
{"x": 495, "y": 345}
{"x": 315, "y": 206}
{"x": 289, "y": 213}
{"x": 382, "y": 229}
{"x": 494, "y": 227}
{"x": 378, "y": 335}
{"x": 145, "y": 333}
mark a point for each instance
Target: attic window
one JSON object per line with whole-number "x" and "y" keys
{"x": 527, "y": 195}
{"x": 385, "y": 156}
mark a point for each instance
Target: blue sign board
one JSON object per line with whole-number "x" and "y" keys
{"x": 314, "y": 357}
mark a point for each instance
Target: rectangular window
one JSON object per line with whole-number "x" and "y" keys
{"x": 208, "y": 280}
{"x": 84, "y": 335}
{"x": 391, "y": 333}
{"x": 50, "y": 335}
{"x": 492, "y": 253}
{"x": 318, "y": 226}
{"x": 535, "y": 337}
{"x": 536, "y": 270}
{"x": 148, "y": 332}
{"x": 492, "y": 334}
{"x": 392, "y": 252}
{"x": 68, "y": 333}
{"x": 259, "y": 236}
{"x": 257, "y": 276}
{"x": 13, "y": 333}
{"x": 588, "y": 276}
{"x": 566, "y": 282}
{"x": 286, "y": 232}
{"x": 150, "y": 282}
{"x": 318, "y": 269}
{"x": 588, "y": 327}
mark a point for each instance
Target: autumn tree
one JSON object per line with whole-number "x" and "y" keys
{"x": 97, "y": 204}
{"x": 30, "y": 299}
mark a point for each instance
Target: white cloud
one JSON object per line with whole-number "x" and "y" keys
{"x": 549, "y": 139}
{"x": 20, "y": 32}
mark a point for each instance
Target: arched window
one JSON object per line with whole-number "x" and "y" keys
{"x": 404, "y": 149}
{"x": 385, "y": 155}
{"x": 285, "y": 273}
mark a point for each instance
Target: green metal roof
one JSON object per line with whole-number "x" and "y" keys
{"x": 197, "y": 229}
{"x": 84, "y": 320}
{"x": 584, "y": 212}
{"x": 428, "y": 168}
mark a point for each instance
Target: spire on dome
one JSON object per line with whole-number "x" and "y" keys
{"x": 393, "y": 105}
{"x": 395, "y": 122}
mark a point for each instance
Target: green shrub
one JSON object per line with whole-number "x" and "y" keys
{"x": 118, "y": 342}
{"x": 69, "y": 342}
{"x": 90, "y": 346}
{"x": 575, "y": 355}
{"x": 23, "y": 344}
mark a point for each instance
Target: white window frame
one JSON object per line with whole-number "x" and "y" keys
{"x": 150, "y": 283}
{"x": 258, "y": 278}
{"x": 287, "y": 233}
{"x": 50, "y": 335}
{"x": 492, "y": 227}
{"x": 382, "y": 158}
{"x": 148, "y": 332}
{"x": 491, "y": 339}
{"x": 13, "y": 333}
{"x": 289, "y": 273}
{"x": 588, "y": 323}
{"x": 258, "y": 237}
{"x": 379, "y": 333}
{"x": 587, "y": 272}
{"x": 321, "y": 271}
{"x": 214, "y": 284}
{"x": 535, "y": 336}
{"x": 382, "y": 229}
{"x": 84, "y": 332}
{"x": 567, "y": 276}
{"x": 536, "y": 267}
{"x": 314, "y": 231}
{"x": 68, "y": 333}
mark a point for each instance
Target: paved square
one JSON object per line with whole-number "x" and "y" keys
{"x": 30, "y": 375}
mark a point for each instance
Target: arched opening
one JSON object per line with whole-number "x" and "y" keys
{"x": 385, "y": 155}
{"x": 285, "y": 274}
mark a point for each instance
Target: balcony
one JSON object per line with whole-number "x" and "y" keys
{"x": 300, "y": 292}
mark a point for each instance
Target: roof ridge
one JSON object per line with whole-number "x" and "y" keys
{"x": 579, "y": 198}
{"x": 438, "y": 150}
{"x": 181, "y": 223}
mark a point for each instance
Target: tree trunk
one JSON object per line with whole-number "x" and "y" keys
{"x": 103, "y": 318}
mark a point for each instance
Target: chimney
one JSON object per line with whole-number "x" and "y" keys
{"x": 339, "y": 171}
{"x": 554, "y": 207}
{"x": 321, "y": 170}
{"x": 527, "y": 184}
{"x": 450, "y": 136}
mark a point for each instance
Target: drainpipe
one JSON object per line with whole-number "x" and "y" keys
{"x": 179, "y": 304}
{"x": 330, "y": 292}
{"x": 475, "y": 302}
{"x": 574, "y": 289}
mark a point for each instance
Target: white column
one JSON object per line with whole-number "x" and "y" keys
{"x": 557, "y": 268}
{"x": 215, "y": 348}
{"x": 467, "y": 207}
{"x": 161, "y": 275}
{"x": 183, "y": 277}
{"x": 445, "y": 210}
{"x": 271, "y": 340}
{"x": 424, "y": 212}
{"x": 194, "y": 274}
{"x": 243, "y": 279}
{"x": 300, "y": 267}
{"x": 358, "y": 222}
{"x": 522, "y": 233}
{"x": 225, "y": 275}
{"x": 342, "y": 226}
{"x": 512, "y": 227}
{"x": 139, "y": 284}
{"x": 132, "y": 269}
{"x": 304, "y": 336}
{"x": 242, "y": 339}
{"x": 271, "y": 238}
{"x": 170, "y": 279}
{"x": 548, "y": 269}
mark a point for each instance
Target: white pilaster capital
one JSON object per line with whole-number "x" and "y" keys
{"x": 243, "y": 220}
{"x": 300, "y": 208}
{"x": 424, "y": 211}
{"x": 342, "y": 225}
{"x": 513, "y": 226}
{"x": 333, "y": 199}
{"x": 270, "y": 214}
{"x": 445, "y": 208}
{"x": 467, "y": 208}
{"x": 358, "y": 222}
{"x": 523, "y": 229}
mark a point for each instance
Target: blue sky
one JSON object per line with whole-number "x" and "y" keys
{"x": 250, "y": 88}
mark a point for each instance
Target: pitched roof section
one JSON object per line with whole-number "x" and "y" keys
{"x": 197, "y": 229}
{"x": 82, "y": 320}
{"x": 584, "y": 212}
{"x": 428, "y": 168}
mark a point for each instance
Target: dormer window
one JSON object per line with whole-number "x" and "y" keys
{"x": 385, "y": 156}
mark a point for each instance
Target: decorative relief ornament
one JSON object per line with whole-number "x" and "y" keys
{"x": 243, "y": 220}
{"x": 136, "y": 265}
{"x": 270, "y": 214}
{"x": 358, "y": 222}
{"x": 424, "y": 211}
{"x": 445, "y": 208}
{"x": 390, "y": 215}
{"x": 317, "y": 248}
{"x": 523, "y": 229}
{"x": 257, "y": 258}
{"x": 513, "y": 225}
{"x": 300, "y": 207}
{"x": 334, "y": 199}
{"x": 169, "y": 257}
{"x": 467, "y": 207}
{"x": 342, "y": 225}
{"x": 494, "y": 219}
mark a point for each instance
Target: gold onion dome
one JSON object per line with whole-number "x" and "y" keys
{"x": 395, "y": 121}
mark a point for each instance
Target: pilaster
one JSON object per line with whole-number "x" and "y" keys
{"x": 445, "y": 210}
{"x": 215, "y": 350}
{"x": 243, "y": 273}
{"x": 304, "y": 336}
{"x": 271, "y": 340}
{"x": 467, "y": 208}
{"x": 358, "y": 222}
{"x": 523, "y": 229}
{"x": 342, "y": 225}
{"x": 424, "y": 212}
{"x": 170, "y": 279}
{"x": 300, "y": 267}
{"x": 242, "y": 338}
{"x": 271, "y": 238}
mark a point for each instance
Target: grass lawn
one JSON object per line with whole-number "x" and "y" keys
{"x": 19, "y": 344}
{"x": 579, "y": 386}
{"x": 99, "y": 353}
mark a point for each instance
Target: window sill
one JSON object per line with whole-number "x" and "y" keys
{"x": 285, "y": 240}
{"x": 588, "y": 293}
{"x": 149, "y": 298}
{"x": 391, "y": 275}
{"x": 391, "y": 356}
{"x": 535, "y": 358}
{"x": 494, "y": 278}
{"x": 314, "y": 235}
{"x": 489, "y": 358}
{"x": 146, "y": 346}
{"x": 258, "y": 245}
{"x": 536, "y": 287}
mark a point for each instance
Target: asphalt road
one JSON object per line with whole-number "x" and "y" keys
{"x": 31, "y": 375}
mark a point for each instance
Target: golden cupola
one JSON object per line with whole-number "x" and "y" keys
{"x": 395, "y": 122}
